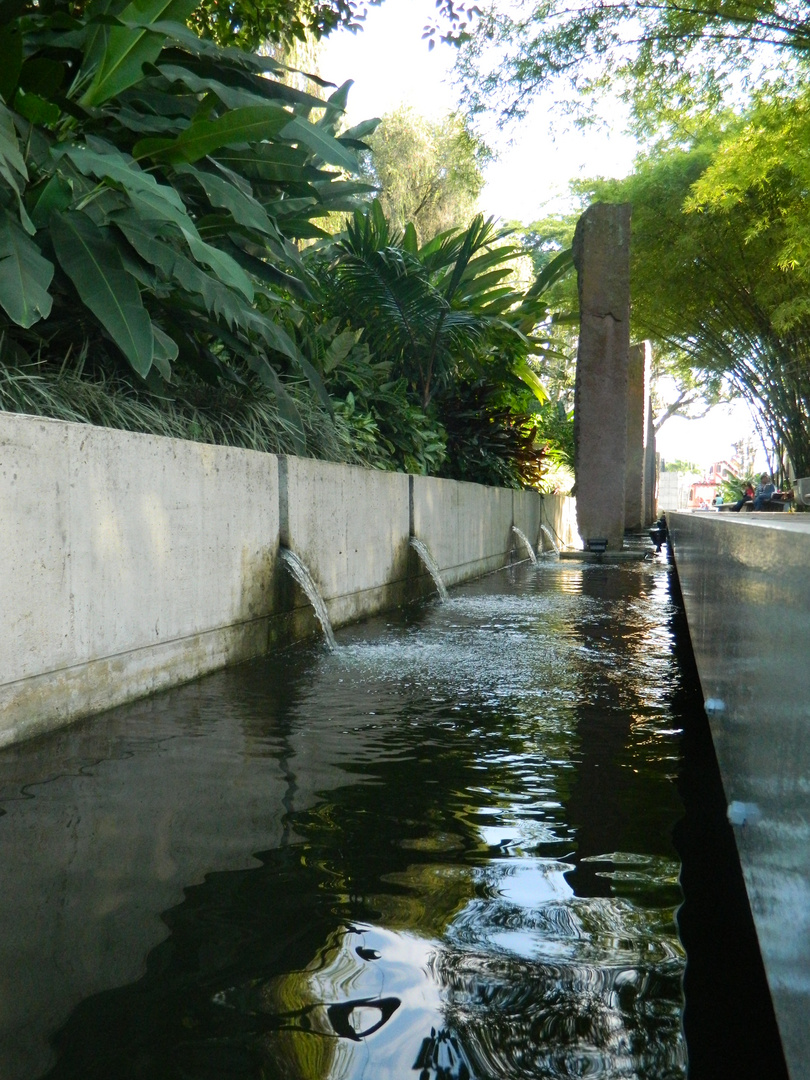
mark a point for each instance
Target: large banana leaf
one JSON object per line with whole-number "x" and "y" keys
{"x": 220, "y": 301}
{"x": 119, "y": 53}
{"x": 92, "y": 262}
{"x": 320, "y": 142}
{"x": 234, "y": 92}
{"x": 272, "y": 163}
{"x": 110, "y": 164}
{"x": 24, "y": 275}
{"x": 251, "y": 124}
{"x": 526, "y": 374}
{"x": 11, "y": 160}
{"x": 244, "y": 209}
{"x": 12, "y": 165}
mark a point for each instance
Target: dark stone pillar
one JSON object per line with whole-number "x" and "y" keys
{"x": 602, "y": 259}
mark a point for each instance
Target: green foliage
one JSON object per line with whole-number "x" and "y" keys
{"x": 666, "y": 58}
{"x": 437, "y": 331}
{"x": 733, "y": 489}
{"x": 707, "y": 284}
{"x": 152, "y": 188}
{"x": 489, "y": 441}
{"x": 250, "y": 25}
{"x": 761, "y": 173}
{"x": 427, "y": 173}
{"x": 433, "y": 311}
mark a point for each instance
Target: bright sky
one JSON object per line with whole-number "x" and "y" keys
{"x": 391, "y": 65}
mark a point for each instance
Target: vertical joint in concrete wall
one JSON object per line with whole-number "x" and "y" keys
{"x": 410, "y": 506}
{"x": 283, "y": 502}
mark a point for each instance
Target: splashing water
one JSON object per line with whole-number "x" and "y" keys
{"x": 526, "y": 543}
{"x": 430, "y": 564}
{"x": 304, "y": 579}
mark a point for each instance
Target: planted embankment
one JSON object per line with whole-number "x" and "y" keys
{"x": 746, "y": 589}
{"x": 132, "y": 563}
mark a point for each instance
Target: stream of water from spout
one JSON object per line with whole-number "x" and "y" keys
{"x": 526, "y": 543}
{"x": 430, "y": 564}
{"x": 544, "y": 529}
{"x": 302, "y": 575}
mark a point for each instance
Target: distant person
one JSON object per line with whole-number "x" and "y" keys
{"x": 747, "y": 497}
{"x": 765, "y": 491}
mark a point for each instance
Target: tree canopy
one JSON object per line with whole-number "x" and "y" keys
{"x": 659, "y": 54}
{"x": 426, "y": 172}
{"x": 707, "y": 283}
{"x": 251, "y": 25}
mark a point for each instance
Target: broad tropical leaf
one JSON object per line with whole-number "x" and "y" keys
{"x": 251, "y": 124}
{"x": 320, "y": 142}
{"x": 92, "y": 262}
{"x": 244, "y": 209}
{"x": 120, "y": 168}
{"x": 527, "y": 375}
{"x": 24, "y": 275}
{"x": 120, "y": 52}
{"x": 246, "y": 91}
{"x": 220, "y": 301}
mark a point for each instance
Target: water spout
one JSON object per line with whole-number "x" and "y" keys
{"x": 526, "y": 543}
{"x": 430, "y": 564}
{"x": 304, "y": 579}
{"x": 545, "y": 531}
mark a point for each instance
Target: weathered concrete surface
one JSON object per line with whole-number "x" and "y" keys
{"x": 351, "y": 527}
{"x": 130, "y": 563}
{"x": 639, "y": 434}
{"x": 466, "y": 527}
{"x": 746, "y": 588}
{"x": 602, "y": 259}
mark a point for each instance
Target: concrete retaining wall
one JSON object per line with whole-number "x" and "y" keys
{"x": 746, "y": 589}
{"x": 132, "y": 563}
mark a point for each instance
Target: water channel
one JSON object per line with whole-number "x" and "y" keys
{"x": 457, "y": 846}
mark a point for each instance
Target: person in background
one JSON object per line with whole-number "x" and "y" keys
{"x": 764, "y": 492}
{"x": 747, "y": 496}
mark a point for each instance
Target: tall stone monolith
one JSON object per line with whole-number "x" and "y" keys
{"x": 602, "y": 259}
{"x": 639, "y": 373}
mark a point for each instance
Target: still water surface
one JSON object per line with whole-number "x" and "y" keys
{"x": 442, "y": 851}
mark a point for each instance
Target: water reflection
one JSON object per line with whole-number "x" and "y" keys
{"x": 443, "y": 850}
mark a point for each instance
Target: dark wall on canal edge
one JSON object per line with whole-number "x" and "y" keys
{"x": 746, "y": 594}
{"x": 729, "y": 1022}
